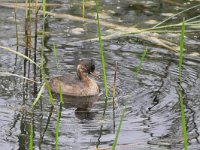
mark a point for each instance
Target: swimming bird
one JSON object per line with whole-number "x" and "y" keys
{"x": 77, "y": 84}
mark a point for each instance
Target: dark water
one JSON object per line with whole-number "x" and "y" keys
{"x": 152, "y": 118}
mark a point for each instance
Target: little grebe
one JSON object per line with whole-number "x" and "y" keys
{"x": 80, "y": 85}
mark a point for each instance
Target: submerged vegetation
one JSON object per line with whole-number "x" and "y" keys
{"x": 119, "y": 32}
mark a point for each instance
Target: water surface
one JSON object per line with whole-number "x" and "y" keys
{"x": 152, "y": 118}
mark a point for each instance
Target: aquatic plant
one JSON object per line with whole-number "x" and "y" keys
{"x": 19, "y": 54}
{"x": 39, "y": 95}
{"x": 114, "y": 94}
{"x": 184, "y": 129}
{"x": 140, "y": 65}
{"x": 58, "y": 125}
{"x": 118, "y": 129}
{"x": 61, "y": 99}
{"x": 101, "y": 49}
{"x": 56, "y": 59}
{"x": 35, "y": 42}
{"x": 105, "y": 79}
{"x": 83, "y": 8}
{"x": 31, "y": 136}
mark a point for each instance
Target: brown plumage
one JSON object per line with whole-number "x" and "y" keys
{"x": 77, "y": 85}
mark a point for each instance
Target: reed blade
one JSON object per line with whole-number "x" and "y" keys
{"x": 118, "y": 130}
{"x": 141, "y": 61}
{"x": 39, "y": 95}
{"x": 31, "y": 137}
{"x": 181, "y": 101}
{"x": 101, "y": 49}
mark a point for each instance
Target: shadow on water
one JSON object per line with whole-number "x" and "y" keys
{"x": 152, "y": 119}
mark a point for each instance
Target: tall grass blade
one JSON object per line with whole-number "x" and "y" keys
{"x": 118, "y": 130}
{"x": 140, "y": 65}
{"x": 39, "y": 95}
{"x": 83, "y": 8}
{"x": 184, "y": 129}
{"x": 114, "y": 95}
{"x": 18, "y": 53}
{"x": 176, "y": 15}
{"x": 61, "y": 93}
{"x": 193, "y": 18}
{"x": 31, "y": 137}
{"x": 44, "y": 8}
{"x": 55, "y": 55}
{"x": 49, "y": 92}
{"x": 101, "y": 49}
{"x": 16, "y": 75}
{"x": 35, "y": 42}
{"x": 42, "y": 69}
{"x": 101, "y": 127}
{"x": 47, "y": 123}
{"x": 58, "y": 126}
{"x": 114, "y": 82}
{"x": 61, "y": 99}
{"x": 181, "y": 51}
{"x": 56, "y": 58}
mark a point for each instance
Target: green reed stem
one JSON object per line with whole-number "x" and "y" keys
{"x": 61, "y": 99}
{"x": 58, "y": 126}
{"x": 114, "y": 88}
{"x": 184, "y": 129}
{"x": 101, "y": 49}
{"x": 49, "y": 91}
{"x": 60, "y": 88}
{"x": 114, "y": 82}
{"x": 141, "y": 61}
{"x": 83, "y": 8}
{"x": 42, "y": 69}
{"x": 118, "y": 130}
{"x": 39, "y": 95}
{"x": 44, "y": 8}
{"x": 31, "y": 137}
{"x": 55, "y": 55}
{"x": 114, "y": 94}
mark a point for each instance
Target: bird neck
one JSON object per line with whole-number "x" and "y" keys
{"x": 82, "y": 75}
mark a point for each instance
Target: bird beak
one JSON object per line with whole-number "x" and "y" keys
{"x": 95, "y": 75}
